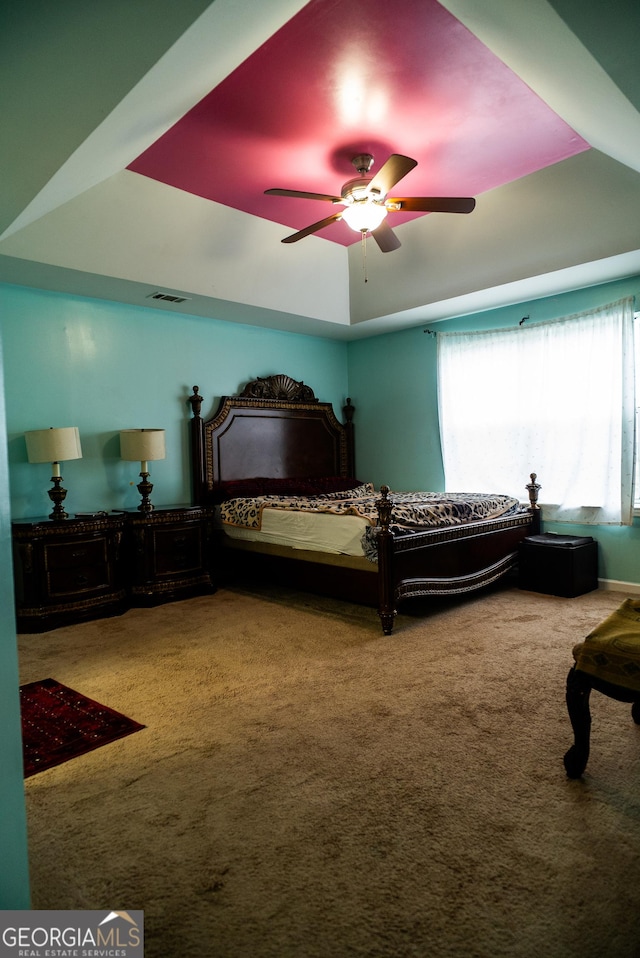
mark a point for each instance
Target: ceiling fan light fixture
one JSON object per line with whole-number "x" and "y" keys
{"x": 366, "y": 205}
{"x": 363, "y": 216}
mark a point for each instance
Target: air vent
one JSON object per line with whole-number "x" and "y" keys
{"x": 168, "y": 297}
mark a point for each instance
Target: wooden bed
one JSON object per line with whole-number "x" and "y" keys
{"x": 277, "y": 428}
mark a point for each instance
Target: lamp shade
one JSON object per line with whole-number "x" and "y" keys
{"x": 364, "y": 215}
{"x": 142, "y": 445}
{"x": 53, "y": 445}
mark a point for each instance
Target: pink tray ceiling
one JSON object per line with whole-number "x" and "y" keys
{"x": 344, "y": 77}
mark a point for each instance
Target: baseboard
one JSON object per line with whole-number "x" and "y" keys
{"x": 614, "y": 585}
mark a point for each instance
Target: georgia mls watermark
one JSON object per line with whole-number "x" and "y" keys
{"x": 71, "y": 934}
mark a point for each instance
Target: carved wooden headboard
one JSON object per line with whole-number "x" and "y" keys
{"x": 274, "y": 428}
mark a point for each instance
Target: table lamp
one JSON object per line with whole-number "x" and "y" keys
{"x": 54, "y": 446}
{"x": 143, "y": 445}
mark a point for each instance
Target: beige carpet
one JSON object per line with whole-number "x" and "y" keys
{"x": 308, "y": 788}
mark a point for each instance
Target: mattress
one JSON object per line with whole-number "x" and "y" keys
{"x": 314, "y": 531}
{"x": 344, "y": 523}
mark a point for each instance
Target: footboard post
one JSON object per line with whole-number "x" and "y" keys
{"x": 533, "y": 488}
{"x": 386, "y": 589}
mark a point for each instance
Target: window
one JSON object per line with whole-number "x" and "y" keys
{"x": 556, "y": 398}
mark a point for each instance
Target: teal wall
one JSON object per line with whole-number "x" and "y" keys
{"x": 71, "y": 361}
{"x": 14, "y": 873}
{"x": 393, "y": 384}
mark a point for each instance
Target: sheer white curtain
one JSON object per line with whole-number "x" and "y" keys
{"x": 554, "y": 398}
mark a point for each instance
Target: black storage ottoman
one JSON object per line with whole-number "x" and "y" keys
{"x": 558, "y": 565}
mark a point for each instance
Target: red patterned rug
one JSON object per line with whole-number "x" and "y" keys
{"x": 59, "y": 724}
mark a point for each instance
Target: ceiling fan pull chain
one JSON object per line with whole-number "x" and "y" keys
{"x": 364, "y": 255}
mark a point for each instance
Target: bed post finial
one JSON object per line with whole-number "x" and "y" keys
{"x": 196, "y": 401}
{"x": 533, "y": 488}
{"x": 348, "y": 410}
{"x": 198, "y": 483}
{"x": 384, "y": 506}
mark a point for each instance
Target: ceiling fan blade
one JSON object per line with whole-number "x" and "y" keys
{"x": 313, "y": 228}
{"x": 386, "y": 238}
{"x": 432, "y": 204}
{"x": 390, "y": 173}
{"x": 304, "y": 196}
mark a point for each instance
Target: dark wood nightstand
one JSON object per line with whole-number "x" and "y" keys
{"x": 68, "y": 571}
{"x": 169, "y": 554}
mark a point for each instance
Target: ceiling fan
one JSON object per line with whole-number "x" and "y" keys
{"x": 366, "y": 203}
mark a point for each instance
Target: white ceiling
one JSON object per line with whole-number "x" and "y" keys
{"x": 85, "y": 90}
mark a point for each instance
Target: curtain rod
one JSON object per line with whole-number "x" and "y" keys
{"x": 433, "y": 332}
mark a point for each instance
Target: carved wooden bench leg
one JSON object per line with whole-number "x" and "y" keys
{"x": 578, "y": 692}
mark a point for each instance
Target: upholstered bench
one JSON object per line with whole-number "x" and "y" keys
{"x": 558, "y": 565}
{"x": 609, "y": 661}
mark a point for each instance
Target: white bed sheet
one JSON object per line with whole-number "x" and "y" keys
{"x": 315, "y": 531}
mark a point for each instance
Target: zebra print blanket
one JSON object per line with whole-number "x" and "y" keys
{"x": 411, "y": 510}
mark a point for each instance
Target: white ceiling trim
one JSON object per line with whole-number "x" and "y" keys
{"x": 119, "y": 229}
{"x": 213, "y": 46}
{"x": 537, "y": 287}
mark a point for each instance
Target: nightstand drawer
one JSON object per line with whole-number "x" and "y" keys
{"x": 169, "y": 554}
{"x": 65, "y": 582}
{"x": 67, "y": 571}
{"x": 177, "y": 550}
{"x": 71, "y": 555}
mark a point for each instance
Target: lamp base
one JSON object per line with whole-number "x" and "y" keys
{"x": 57, "y": 496}
{"x": 144, "y": 488}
